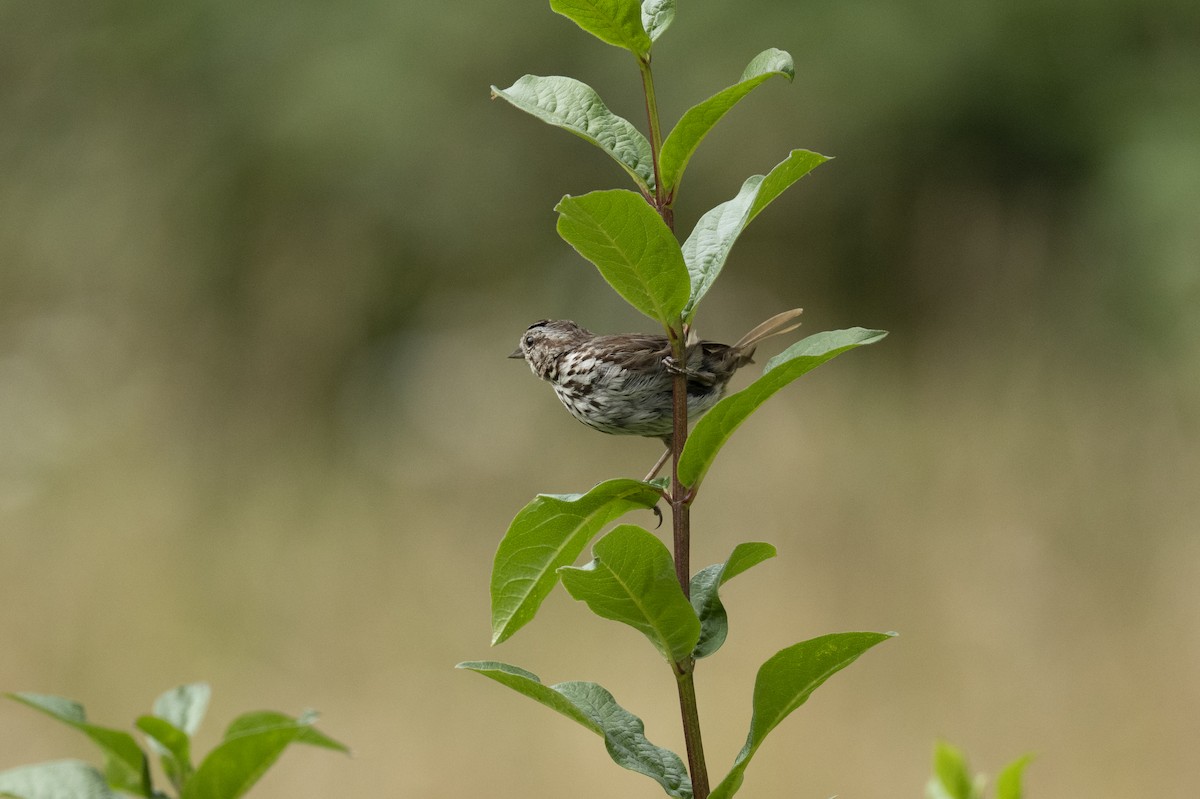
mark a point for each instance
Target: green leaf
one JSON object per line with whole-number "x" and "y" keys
{"x": 632, "y": 580}
{"x": 698, "y": 120}
{"x": 615, "y": 22}
{"x": 60, "y": 779}
{"x": 173, "y": 746}
{"x": 657, "y": 16}
{"x": 549, "y": 532}
{"x": 253, "y": 742}
{"x": 707, "y": 248}
{"x": 1008, "y": 784}
{"x": 590, "y": 705}
{"x": 951, "y": 775}
{"x": 126, "y": 766}
{"x": 785, "y": 682}
{"x": 716, "y": 426}
{"x": 633, "y": 248}
{"x": 529, "y": 684}
{"x": 574, "y": 106}
{"x": 706, "y": 599}
{"x": 184, "y": 706}
{"x": 177, "y": 714}
{"x": 265, "y": 720}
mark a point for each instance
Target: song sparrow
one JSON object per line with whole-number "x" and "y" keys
{"x": 622, "y": 384}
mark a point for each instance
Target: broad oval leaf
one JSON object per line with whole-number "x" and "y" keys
{"x": 706, "y": 598}
{"x": 593, "y": 707}
{"x": 529, "y": 684}
{"x": 184, "y": 706}
{"x": 716, "y": 426}
{"x": 707, "y": 248}
{"x": 177, "y": 714}
{"x": 698, "y": 120}
{"x": 633, "y": 248}
{"x": 615, "y": 22}
{"x": 550, "y": 532}
{"x": 657, "y": 16}
{"x": 252, "y": 743}
{"x": 59, "y": 779}
{"x": 576, "y": 107}
{"x": 785, "y": 682}
{"x": 126, "y": 766}
{"x": 632, "y": 580}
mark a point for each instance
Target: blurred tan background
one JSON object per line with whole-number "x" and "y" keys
{"x": 260, "y": 264}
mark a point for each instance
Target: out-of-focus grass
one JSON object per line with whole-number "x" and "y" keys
{"x": 259, "y": 267}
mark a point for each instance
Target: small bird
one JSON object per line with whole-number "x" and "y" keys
{"x": 622, "y": 384}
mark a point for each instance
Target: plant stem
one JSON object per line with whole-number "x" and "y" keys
{"x": 662, "y": 203}
{"x": 679, "y": 497}
{"x": 691, "y": 731}
{"x": 681, "y": 529}
{"x": 680, "y": 506}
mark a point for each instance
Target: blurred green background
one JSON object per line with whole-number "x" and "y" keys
{"x": 260, "y": 264}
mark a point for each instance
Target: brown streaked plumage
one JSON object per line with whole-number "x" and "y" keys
{"x": 622, "y": 384}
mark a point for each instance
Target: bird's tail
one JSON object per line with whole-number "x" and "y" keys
{"x": 772, "y": 327}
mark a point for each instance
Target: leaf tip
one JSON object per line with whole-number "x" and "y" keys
{"x": 561, "y": 204}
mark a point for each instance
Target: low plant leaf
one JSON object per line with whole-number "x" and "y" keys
{"x": 785, "y": 682}
{"x": 1008, "y": 784}
{"x": 184, "y": 706}
{"x": 575, "y": 107}
{"x": 173, "y": 746}
{"x": 716, "y": 426}
{"x": 951, "y": 774}
{"x": 706, "y": 599}
{"x": 632, "y": 580}
{"x": 126, "y": 766}
{"x": 550, "y": 532}
{"x": 698, "y": 120}
{"x": 593, "y": 707}
{"x": 657, "y": 16}
{"x": 252, "y": 743}
{"x": 615, "y": 22}
{"x": 708, "y": 246}
{"x": 264, "y": 720}
{"x": 177, "y": 714}
{"x": 59, "y": 779}
{"x": 633, "y": 248}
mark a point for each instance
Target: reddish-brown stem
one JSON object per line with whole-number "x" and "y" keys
{"x": 680, "y": 499}
{"x": 680, "y": 508}
{"x": 679, "y": 496}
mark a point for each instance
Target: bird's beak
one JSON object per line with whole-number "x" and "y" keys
{"x": 517, "y": 353}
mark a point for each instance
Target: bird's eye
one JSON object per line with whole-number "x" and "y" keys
{"x": 529, "y": 340}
